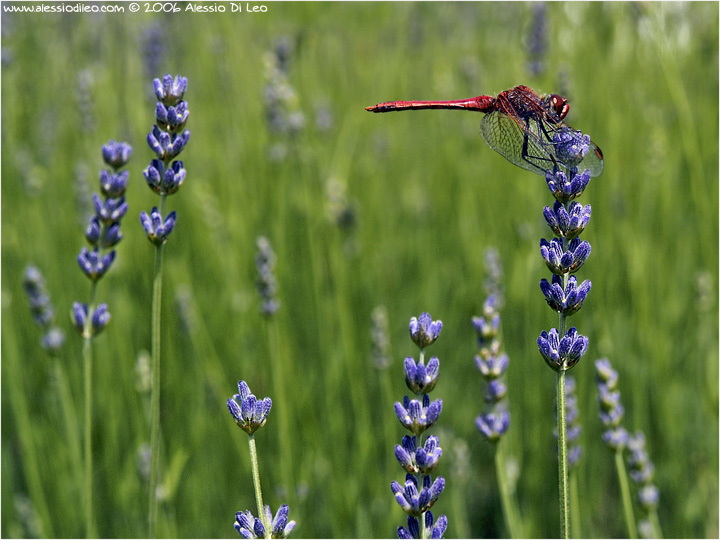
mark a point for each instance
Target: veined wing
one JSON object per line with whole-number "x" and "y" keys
{"x": 524, "y": 149}
{"x": 531, "y": 146}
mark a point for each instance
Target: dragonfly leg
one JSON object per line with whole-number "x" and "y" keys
{"x": 534, "y": 159}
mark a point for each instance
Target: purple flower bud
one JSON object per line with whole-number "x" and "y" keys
{"x": 562, "y": 353}
{"x": 616, "y": 438}
{"x": 420, "y": 379}
{"x": 111, "y": 210}
{"x": 424, "y": 331}
{"x": 156, "y": 230}
{"x": 567, "y": 223}
{"x": 98, "y": 321}
{"x": 171, "y": 119}
{"x": 249, "y": 413}
{"x": 437, "y": 530}
{"x": 496, "y": 390}
{"x": 116, "y": 154}
{"x": 648, "y": 496}
{"x": 416, "y": 416}
{"x": 570, "y": 146}
{"x": 93, "y": 232}
{"x": 605, "y": 373}
{"x": 173, "y": 177}
{"x": 565, "y": 190}
{"x": 486, "y": 327}
{"x": 79, "y": 316}
{"x": 492, "y": 426}
{"x": 113, "y": 185}
{"x": 493, "y": 366}
{"x": 566, "y": 301}
{"x": 53, "y": 340}
{"x": 170, "y": 91}
{"x": 153, "y": 175}
{"x": 100, "y": 318}
{"x": 93, "y": 265}
{"x": 561, "y": 262}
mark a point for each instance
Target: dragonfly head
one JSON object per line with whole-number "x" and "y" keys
{"x": 558, "y": 105}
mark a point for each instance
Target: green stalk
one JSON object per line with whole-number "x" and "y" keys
{"x": 562, "y": 456}
{"x": 655, "y": 523}
{"x": 87, "y": 372}
{"x": 88, "y": 384}
{"x": 625, "y": 491}
{"x": 510, "y": 512}
{"x": 155, "y": 395}
{"x": 256, "y": 481}
{"x": 562, "y": 434}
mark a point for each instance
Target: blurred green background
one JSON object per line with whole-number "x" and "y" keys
{"x": 362, "y": 210}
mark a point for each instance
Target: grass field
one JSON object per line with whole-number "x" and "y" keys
{"x": 427, "y": 197}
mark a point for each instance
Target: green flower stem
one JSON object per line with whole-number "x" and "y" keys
{"x": 562, "y": 456}
{"x": 625, "y": 492}
{"x": 87, "y": 377}
{"x": 155, "y": 394}
{"x": 509, "y": 507}
{"x": 657, "y": 530}
{"x": 562, "y": 435}
{"x": 256, "y": 480}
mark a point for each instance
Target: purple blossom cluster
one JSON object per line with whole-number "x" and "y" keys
{"x": 566, "y": 253}
{"x": 103, "y": 234}
{"x": 617, "y": 438}
{"x": 42, "y": 309}
{"x": 167, "y": 139}
{"x": 267, "y": 285}
{"x": 612, "y": 412}
{"x": 491, "y": 363}
{"x": 418, "y": 458}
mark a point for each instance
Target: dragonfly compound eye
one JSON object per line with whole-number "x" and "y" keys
{"x": 560, "y": 105}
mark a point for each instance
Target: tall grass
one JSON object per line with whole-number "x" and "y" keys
{"x": 430, "y": 198}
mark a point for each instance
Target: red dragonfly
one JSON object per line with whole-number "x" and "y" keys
{"x": 518, "y": 124}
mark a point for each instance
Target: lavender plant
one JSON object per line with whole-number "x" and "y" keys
{"x": 564, "y": 255}
{"x": 103, "y": 234}
{"x": 267, "y": 286}
{"x": 164, "y": 176}
{"x": 495, "y": 421}
{"x": 642, "y": 472}
{"x": 42, "y": 310}
{"x": 251, "y": 414}
{"x": 284, "y": 117}
{"x": 615, "y": 436}
{"x": 537, "y": 40}
{"x": 420, "y": 459}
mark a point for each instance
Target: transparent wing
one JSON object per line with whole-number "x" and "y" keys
{"x": 593, "y": 161}
{"x": 522, "y": 147}
{"x": 528, "y": 143}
